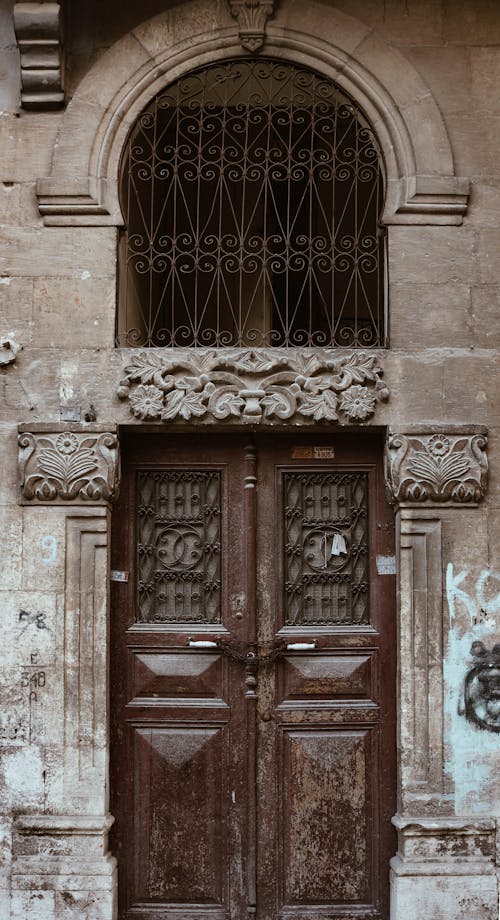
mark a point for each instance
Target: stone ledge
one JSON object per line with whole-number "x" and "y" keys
{"x": 63, "y": 824}
{"x": 452, "y": 845}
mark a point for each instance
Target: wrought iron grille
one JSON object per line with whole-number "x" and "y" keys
{"x": 178, "y": 546}
{"x": 326, "y": 549}
{"x": 252, "y": 192}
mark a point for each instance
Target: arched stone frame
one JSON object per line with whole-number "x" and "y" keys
{"x": 82, "y": 191}
{"x": 421, "y": 186}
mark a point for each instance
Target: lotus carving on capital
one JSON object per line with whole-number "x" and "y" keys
{"x": 259, "y": 385}
{"x": 436, "y": 467}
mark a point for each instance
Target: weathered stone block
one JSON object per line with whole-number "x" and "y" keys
{"x": 432, "y": 894}
{"x": 43, "y": 550}
{"x": 485, "y": 311}
{"x": 475, "y": 143}
{"x": 18, "y": 204}
{"x": 26, "y": 145}
{"x": 446, "y": 74}
{"x": 77, "y": 309}
{"x": 28, "y": 904}
{"x": 431, "y": 255}
{"x": 11, "y": 528}
{"x": 488, "y": 248}
{"x": 429, "y": 315}
{"x": 55, "y": 252}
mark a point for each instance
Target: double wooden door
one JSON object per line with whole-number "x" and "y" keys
{"x": 253, "y": 679}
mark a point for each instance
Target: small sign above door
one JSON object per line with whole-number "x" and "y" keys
{"x": 313, "y": 453}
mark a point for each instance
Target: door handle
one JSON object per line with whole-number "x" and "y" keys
{"x": 300, "y": 646}
{"x": 202, "y": 643}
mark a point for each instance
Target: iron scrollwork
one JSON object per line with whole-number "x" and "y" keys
{"x": 178, "y": 548}
{"x": 326, "y": 548}
{"x": 482, "y": 688}
{"x": 252, "y": 192}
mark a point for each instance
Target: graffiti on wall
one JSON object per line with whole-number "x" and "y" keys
{"x": 481, "y": 601}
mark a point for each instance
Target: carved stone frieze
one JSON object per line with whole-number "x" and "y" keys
{"x": 257, "y": 386}
{"x": 436, "y": 467}
{"x": 252, "y": 16}
{"x": 38, "y": 28}
{"x": 68, "y": 466}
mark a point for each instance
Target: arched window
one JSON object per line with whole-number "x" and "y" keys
{"x": 252, "y": 192}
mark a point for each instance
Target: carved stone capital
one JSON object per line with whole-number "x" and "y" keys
{"x": 255, "y": 386}
{"x": 252, "y": 16}
{"x": 38, "y": 28}
{"x": 449, "y": 466}
{"x": 61, "y": 466}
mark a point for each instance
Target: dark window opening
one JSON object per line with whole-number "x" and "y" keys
{"x": 252, "y": 192}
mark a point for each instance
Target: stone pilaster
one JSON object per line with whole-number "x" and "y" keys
{"x": 445, "y": 862}
{"x": 60, "y": 857}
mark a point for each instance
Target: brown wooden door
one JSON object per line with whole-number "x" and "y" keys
{"x": 253, "y": 680}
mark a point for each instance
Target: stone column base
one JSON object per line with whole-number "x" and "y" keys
{"x": 61, "y": 868}
{"x": 444, "y": 870}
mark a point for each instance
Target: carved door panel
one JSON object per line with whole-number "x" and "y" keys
{"x": 252, "y": 681}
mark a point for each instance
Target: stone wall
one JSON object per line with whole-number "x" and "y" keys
{"x": 427, "y": 72}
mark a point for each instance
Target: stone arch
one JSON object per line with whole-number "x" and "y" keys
{"x": 421, "y": 184}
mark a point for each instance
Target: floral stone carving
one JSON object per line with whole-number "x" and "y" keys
{"x": 256, "y": 386}
{"x": 436, "y": 467}
{"x": 68, "y": 466}
{"x": 252, "y": 16}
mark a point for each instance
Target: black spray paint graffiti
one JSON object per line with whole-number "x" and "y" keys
{"x": 482, "y": 688}
{"x": 31, "y": 619}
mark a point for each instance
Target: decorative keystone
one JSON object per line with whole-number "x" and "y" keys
{"x": 451, "y": 467}
{"x": 68, "y": 466}
{"x": 252, "y": 16}
{"x": 255, "y": 386}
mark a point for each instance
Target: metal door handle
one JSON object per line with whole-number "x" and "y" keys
{"x": 300, "y": 646}
{"x": 202, "y": 643}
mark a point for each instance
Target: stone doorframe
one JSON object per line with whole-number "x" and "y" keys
{"x": 65, "y": 853}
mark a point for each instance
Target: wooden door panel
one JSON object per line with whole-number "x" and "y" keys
{"x": 327, "y": 815}
{"x": 327, "y": 676}
{"x": 180, "y": 815}
{"x": 181, "y": 674}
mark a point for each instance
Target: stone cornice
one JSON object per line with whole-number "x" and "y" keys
{"x": 59, "y": 466}
{"x": 436, "y": 466}
{"x": 39, "y": 34}
{"x": 255, "y": 386}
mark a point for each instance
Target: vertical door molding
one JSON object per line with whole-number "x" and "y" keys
{"x": 420, "y": 592}
{"x": 86, "y": 603}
